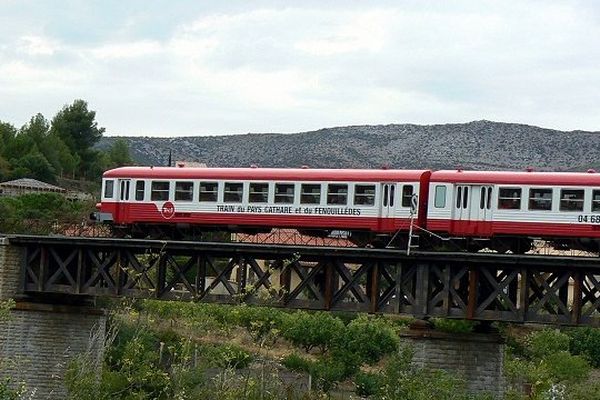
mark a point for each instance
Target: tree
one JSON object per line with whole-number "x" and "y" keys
{"x": 37, "y": 129}
{"x": 4, "y": 169}
{"x": 77, "y": 128}
{"x": 7, "y": 134}
{"x": 58, "y": 154}
{"x": 33, "y": 165}
{"x": 95, "y": 163}
{"x": 119, "y": 153}
{"x": 19, "y": 146}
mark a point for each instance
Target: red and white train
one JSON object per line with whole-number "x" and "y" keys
{"x": 494, "y": 209}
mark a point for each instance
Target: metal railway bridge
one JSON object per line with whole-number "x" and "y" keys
{"x": 478, "y": 286}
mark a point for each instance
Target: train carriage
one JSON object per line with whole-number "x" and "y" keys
{"x": 507, "y": 210}
{"x": 167, "y": 200}
{"x": 499, "y": 210}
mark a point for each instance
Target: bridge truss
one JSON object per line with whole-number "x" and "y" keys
{"x": 478, "y": 286}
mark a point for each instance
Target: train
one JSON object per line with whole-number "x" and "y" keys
{"x": 497, "y": 210}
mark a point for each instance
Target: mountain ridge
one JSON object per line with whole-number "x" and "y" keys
{"x": 478, "y": 144}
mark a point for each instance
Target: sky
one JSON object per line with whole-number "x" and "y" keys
{"x": 192, "y": 67}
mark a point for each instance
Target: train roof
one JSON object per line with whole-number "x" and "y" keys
{"x": 291, "y": 174}
{"x": 518, "y": 177}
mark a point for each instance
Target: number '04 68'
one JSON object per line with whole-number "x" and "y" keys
{"x": 593, "y": 219}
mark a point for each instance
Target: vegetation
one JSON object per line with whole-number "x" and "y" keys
{"x": 166, "y": 350}
{"x": 36, "y": 212}
{"x": 5, "y": 306}
{"x": 63, "y": 147}
{"x": 7, "y": 391}
{"x": 543, "y": 364}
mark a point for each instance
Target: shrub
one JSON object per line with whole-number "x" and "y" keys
{"x": 327, "y": 373}
{"x": 227, "y": 356}
{"x": 368, "y": 384}
{"x": 5, "y": 306}
{"x": 309, "y": 330}
{"x": 295, "y": 362}
{"x": 369, "y": 339}
{"x": 584, "y": 391}
{"x": 586, "y": 341}
{"x": 263, "y": 323}
{"x": 8, "y": 393}
{"x": 546, "y": 342}
{"x": 453, "y": 325}
{"x": 564, "y": 367}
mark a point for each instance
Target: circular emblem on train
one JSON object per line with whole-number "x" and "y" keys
{"x": 168, "y": 210}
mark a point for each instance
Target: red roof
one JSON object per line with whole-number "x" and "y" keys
{"x": 283, "y": 174}
{"x": 518, "y": 178}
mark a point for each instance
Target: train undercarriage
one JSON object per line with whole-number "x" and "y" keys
{"x": 419, "y": 240}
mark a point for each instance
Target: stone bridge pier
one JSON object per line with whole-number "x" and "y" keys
{"x": 38, "y": 340}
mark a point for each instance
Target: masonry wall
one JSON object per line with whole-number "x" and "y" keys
{"x": 38, "y": 341}
{"x": 10, "y": 269}
{"x": 477, "y": 358}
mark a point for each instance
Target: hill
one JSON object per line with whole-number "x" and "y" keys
{"x": 473, "y": 145}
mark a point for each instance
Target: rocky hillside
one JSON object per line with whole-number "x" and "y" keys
{"x": 473, "y": 145}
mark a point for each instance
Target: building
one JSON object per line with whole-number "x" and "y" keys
{"x": 22, "y": 186}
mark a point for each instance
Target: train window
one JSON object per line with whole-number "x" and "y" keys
{"x": 160, "y": 191}
{"x": 489, "y": 199}
{"x": 465, "y": 197}
{"x": 407, "y": 193}
{"x": 364, "y": 195}
{"x": 209, "y": 191}
{"x": 310, "y": 194}
{"x": 540, "y": 199}
{"x": 109, "y": 189}
{"x": 259, "y": 193}
{"x": 284, "y": 193}
{"x": 233, "y": 192}
{"x": 509, "y": 198}
{"x": 184, "y": 191}
{"x": 458, "y": 196}
{"x": 385, "y": 195}
{"x": 440, "y": 197}
{"x": 571, "y": 200}
{"x": 482, "y": 197}
{"x": 337, "y": 194}
{"x": 596, "y": 200}
{"x": 140, "y": 187}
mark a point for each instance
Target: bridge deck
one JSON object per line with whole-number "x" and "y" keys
{"x": 480, "y": 286}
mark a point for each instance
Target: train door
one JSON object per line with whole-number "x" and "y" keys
{"x": 387, "y": 206}
{"x": 473, "y": 210}
{"x": 124, "y": 186}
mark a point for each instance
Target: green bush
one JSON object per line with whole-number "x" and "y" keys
{"x": 584, "y": 391}
{"x": 229, "y": 356}
{"x": 586, "y": 342}
{"x": 564, "y": 367}
{"x": 546, "y": 342}
{"x": 368, "y": 384}
{"x": 453, "y": 325}
{"x": 8, "y": 393}
{"x": 263, "y": 323}
{"x": 35, "y": 213}
{"x": 295, "y": 362}
{"x": 5, "y": 306}
{"x": 368, "y": 338}
{"x": 327, "y": 372}
{"x": 309, "y": 330}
